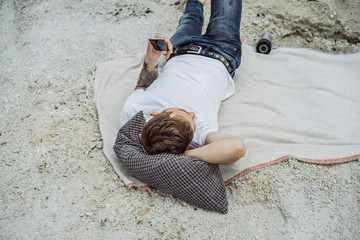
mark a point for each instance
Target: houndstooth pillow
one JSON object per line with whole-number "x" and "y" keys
{"x": 189, "y": 179}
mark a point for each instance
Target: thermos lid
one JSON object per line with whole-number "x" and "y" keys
{"x": 264, "y": 44}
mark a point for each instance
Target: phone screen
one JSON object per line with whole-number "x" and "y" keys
{"x": 159, "y": 44}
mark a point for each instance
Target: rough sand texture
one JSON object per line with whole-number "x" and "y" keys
{"x": 55, "y": 183}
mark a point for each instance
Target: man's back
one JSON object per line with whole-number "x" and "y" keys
{"x": 191, "y": 82}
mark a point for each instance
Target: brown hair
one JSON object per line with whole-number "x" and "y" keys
{"x": 166, "y": 134}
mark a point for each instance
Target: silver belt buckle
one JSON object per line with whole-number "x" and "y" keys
{"x": 196, "y": 52}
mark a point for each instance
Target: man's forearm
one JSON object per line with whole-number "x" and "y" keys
{"x": 147, "y": 76}
{"x": 219, "y": 149}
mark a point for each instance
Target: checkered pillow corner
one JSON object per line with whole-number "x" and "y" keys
{"x": 189, "y": 179}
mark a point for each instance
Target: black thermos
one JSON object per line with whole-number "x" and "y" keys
{"x": 264, "y": 44}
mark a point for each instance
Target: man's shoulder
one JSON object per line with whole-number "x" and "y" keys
{"x": 203, "y": 128}
{"x": 138, "y": 101}
{"x": 132, "y": 105}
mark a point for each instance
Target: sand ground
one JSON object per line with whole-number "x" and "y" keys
{"x": 55, "y": 183}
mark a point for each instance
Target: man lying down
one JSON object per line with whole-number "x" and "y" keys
{"x": 182, "y": 103}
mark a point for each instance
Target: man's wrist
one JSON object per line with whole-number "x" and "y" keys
{"x": 151, "y": 63}
{"x": 191, "y": 153}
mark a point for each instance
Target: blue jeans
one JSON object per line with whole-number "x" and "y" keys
{"x": 223, "y": 31}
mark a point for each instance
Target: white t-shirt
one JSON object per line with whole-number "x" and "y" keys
{"x": 194, "y": 83}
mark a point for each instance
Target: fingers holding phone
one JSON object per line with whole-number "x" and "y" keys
{"x": 162, "y": 44}
{"x": 152, "y": 55}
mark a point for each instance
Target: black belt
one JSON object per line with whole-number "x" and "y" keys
{"x": 198, "y": 50}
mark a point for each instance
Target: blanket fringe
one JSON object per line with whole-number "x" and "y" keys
{"x": 306, "y": 160}
{"x": 92, "y": 111}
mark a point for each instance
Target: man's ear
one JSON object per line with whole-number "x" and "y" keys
{"x": 154, "y": 114}
{"x": 192, "y": 114}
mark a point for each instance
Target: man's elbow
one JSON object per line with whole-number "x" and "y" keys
{"x": 239, "y": 151}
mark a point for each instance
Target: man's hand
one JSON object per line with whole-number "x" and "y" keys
{"x": 219, "y": 148}
{"x": 149, "y": 71}
{"x": 152, "y": 55}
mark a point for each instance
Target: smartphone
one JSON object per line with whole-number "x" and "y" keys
{"x": 159, "y": 44}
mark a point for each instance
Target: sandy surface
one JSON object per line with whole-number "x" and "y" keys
{"x": 55, "y": 183}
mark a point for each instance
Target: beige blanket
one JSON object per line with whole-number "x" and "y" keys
{"x": 291, "y": 103}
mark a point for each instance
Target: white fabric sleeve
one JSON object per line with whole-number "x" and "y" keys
{"x": 131, "y": 106}
{"x": 201, "y": 132}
